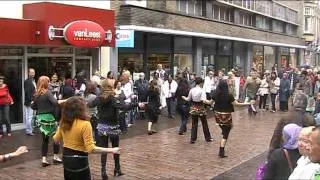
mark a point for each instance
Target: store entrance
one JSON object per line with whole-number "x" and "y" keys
{"x": 47, "y": 66}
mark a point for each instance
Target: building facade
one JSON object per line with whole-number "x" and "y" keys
{"x": 311, "y": 32}
{"x": 211, "y": 34}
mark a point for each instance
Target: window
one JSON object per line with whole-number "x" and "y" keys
{"x": 216, "y": 12}
{"x": 278, "y": 26}
{"x": 222, "y": 13}
{"x": 307, "y": 24}
{"x": 291, "y": 29}
{"x": 245, "y": 19}
{"x": 307, "y": 11}
{"x": 190, "y": 7}
{"x": 263, "y": 22}
{"x": 263, "y": 6}
{"x": 291, "y": 15}
{"x": 279, "y": 11}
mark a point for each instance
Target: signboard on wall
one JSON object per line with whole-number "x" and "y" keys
{"x": 125, "y": 38}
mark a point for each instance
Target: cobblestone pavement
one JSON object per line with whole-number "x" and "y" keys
{"x": 166, "y": 155}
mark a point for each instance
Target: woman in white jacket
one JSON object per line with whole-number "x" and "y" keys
{"x": 274, "y": 89}
{"x": 263, "y": 92}
{"x": 169, "y": 89}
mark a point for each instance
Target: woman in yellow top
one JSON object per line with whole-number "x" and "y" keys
{"x": 76, "y": 132}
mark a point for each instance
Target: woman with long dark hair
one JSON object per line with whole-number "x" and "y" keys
{"x": 45, "y": 104}
{"x": 89, "y": 97}
{"x": 182, "y": 105}
{"x": 223, "y": 107}
{"x": 108, "y": 103}
{"x": 153, "y": 106}
{"x": 76, "y": 132}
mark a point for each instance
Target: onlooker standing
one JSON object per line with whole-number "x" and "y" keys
{"x": 317, "y": 85}
{"x": 142, "y": 87}
{"x": 80, "y": 84}
{"x": 274, "y": 89}
{"x": 29, "y": 92}
{"x": 67, "y": 90}
{"x": 282, "y": 161}
{"x": 160, "y": 72}
{"x": 284, "y": 93}
{"x": 263, "y": 92}
{"x": 54, "y": 86}
{"x": 192, "y": 82}
{"x": 169, "y": 89}
{"x": 5, "y": 101}
{"x": 182, "y": 105}
{"x": 231, "y": 83}
{"x": 89, "y": 97}
{"x": 111, "y": 78}
{"x": 209, "y": 84}
{"x": 127, "y": 88}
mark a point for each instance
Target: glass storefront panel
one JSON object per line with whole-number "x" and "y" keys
{"x": 11, "y": 69}
{"x": 240, "y": 56}
{"x": 284, "y": 56}
{"x": 225, "y": 47}
{"x": 154, "y": 59}
{"x": 49, "y": 65}
{"x": 257, "y": 58}
{"x": 158, "y": 43}
{"x": 83, "y": 65}
{"x": 131, "y": 62}
{"x": 269, "y": 57}
{"x": 181, "y": 61}
{"x": 293, "y": 57}
{"x": 182, "y": 45}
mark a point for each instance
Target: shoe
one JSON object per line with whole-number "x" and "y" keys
{"x": 209, "y": 140}
{"x": 129, "y": 125}
{"x": 104, "y": 176}
{"x": 45, "y": 164}
{"x": 9, "y": 134}
{"x": 154, "y": 131}
{"x": 181, "y": 133}
{"x": 192, "y": 142}
{"x": 57, "y": 161}
{"x": 273, "y": 111}
{"x": 171, "y": 117}
{"x": 221, "y": 152}
{"x": 117, "y": 173}
{"x": 30, "y": 134}
{"x": 149, "y": 132}
{"x": 1, "y": 136}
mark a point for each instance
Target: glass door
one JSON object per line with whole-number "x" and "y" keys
{"x": 84, "y": 65}
{"x": 11, "y": 69}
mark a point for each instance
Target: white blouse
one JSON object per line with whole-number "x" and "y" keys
{"x": 197, "y": 94}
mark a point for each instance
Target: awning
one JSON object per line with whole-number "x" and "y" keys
{"x": 204, "y": 35}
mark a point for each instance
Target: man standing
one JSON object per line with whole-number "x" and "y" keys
{"x": 284, "y": 92}
{"x": 169, "y": 90}
{"x": 160, "y": 72}
{"x": 315, "y": 152}
{"x": 29, "y": 91}
{"x": 141, "y": 86}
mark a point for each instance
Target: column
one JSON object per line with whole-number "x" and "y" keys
{"x": 248, "y": 62}
{"x": 197, "y": 55}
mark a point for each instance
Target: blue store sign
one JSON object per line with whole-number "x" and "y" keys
{"x": 125, "y": 38}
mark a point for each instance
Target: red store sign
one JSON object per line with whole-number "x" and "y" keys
{"x": 83, "y": 33}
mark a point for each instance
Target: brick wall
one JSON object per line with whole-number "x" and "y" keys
{"x": 131, "y": 15}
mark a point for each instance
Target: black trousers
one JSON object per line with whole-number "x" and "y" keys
{"x": 225, "y": 131}
{"x": 194, "y": 130}
{"x": 263, "y": 101}
{"x": 75, "y": 168}
{"x": 284, "y": 106}
{"x": 45, "y": 144}
{"x": 103, "y": 142}
{"x": 273, "y": 101}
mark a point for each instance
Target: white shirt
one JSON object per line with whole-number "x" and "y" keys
{"x": 305, "y": 169}
{"x": 197, "y": 94}
{"x": 128, "y": 91}
{"x": 169, "y": 90}
{"x": 209, "y": 84}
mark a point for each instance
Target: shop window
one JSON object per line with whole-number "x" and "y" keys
{"x": 131, "y": 62}
{"x": 225, "y": 47}
{"x": 11, "y": 51}
{"x": 181, "y": 61}
{"x": 182, "y": 45}
{"x": 258, "y": 58}
{"x": 269, "y": 57}
{"x": 158, "y": 43}
{"x": 240, "y": 56}
{"x": 155, "y": 59}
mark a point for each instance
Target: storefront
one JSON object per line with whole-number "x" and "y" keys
{"x": 62, "y": 43}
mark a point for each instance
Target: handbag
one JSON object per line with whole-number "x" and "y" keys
{"x": 288, "y": 159}
{"x": 261, "y": 170}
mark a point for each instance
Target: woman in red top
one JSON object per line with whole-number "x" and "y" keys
{"x": 5, "y": 101}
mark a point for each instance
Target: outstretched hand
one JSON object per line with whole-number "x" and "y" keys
{"x": 21, "y": 150}
{"x": 116, "y": 150}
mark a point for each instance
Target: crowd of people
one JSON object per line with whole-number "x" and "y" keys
{"x": 87, "y": 114}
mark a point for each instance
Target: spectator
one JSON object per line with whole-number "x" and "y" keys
{"x": 283, "y": 160}
{"x": 67, "y": 89}
{"x": 89, "y": 97}
{"x": 263, "y": 92}
{"x": 284, "y": 92}
{"x": 182, "y": 105}
{"x": 153, "y": 106}
{"x": 192, "y": 79}
{"x": 54, "y": 86}
{"x": 160, "y": 72}
{"x": 142, "y": 87}
{"x": 210, "y": 84}
{"x": 29, "y": 92}
{"x": 169, "y": 89}
{"x": 305, "y": 168}
{"x": 110, "y": 78}
{"x": 274, "y": 89}
{"x": 5, "y": 102}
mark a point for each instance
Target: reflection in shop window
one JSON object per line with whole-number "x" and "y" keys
{"x": 269, "y": 57}
{"x": 155, "y": 59}
{"x": 131, "y": 62}
{"x": 181, "y": 61}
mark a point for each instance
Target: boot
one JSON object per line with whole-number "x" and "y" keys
{"x": 221, "y": 153}
{"x": 118, "y": 173}
{"x": 154, "y": 129}
{"x": 149, "y": 128}
{"x": 104, "y": 175}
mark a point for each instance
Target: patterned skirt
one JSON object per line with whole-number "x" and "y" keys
{"x": 108, "y": 130}
{"x": 48, "y": 124}
{"x": 223, "y": 118}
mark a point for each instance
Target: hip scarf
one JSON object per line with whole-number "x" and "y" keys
{"x": 47, "y": 123}
{"x": 107, "y": 130}
{"x": 223, "y": 118}
{"x": 198, "y": 109}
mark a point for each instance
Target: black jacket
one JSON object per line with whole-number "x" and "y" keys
{"x": 142, "y": 88}
{"x": 29, "y": 91}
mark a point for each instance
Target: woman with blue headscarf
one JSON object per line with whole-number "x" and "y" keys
{"x": 283, "y": 160}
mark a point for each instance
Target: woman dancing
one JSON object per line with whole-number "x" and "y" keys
{"x": 45, "y": 105}
{"x": 198, "y": 99}
{"x": 153, "y": 106}
{"x": 223, "y": 107}
{"x": 76, "y": 132}
{"x": 108, "y": 128}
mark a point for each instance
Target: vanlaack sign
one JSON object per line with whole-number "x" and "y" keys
{"x": 84, "y": 33}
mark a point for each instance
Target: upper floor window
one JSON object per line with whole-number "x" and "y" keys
{"x": 291, "y": 29}
{"x": 307, "y": 24}
{"x": 308, "y": 11}
{"x": 222, "y": 13}
{"x": 263, "y": 6}
{"x": 279, "y": 11}
{"x": 191, "y": 7}
{"x": 291, "y": 15}
{"x": 245, "y": 18}
{"x": 278, "y": 26}
{"x": 263, "y": 22}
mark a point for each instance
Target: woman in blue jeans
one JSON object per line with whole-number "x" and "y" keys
{"x": 182, "y": 105}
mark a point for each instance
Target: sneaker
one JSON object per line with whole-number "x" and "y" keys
{"x": 129, "y": 125}
{"x": 273, "y": 111}
{"x": 9, "y": 134}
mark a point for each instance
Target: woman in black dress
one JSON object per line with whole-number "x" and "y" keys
{"x": 182, "y": 105}
{"x": 223, "y": 107}
{"x": 153, "y": 106}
